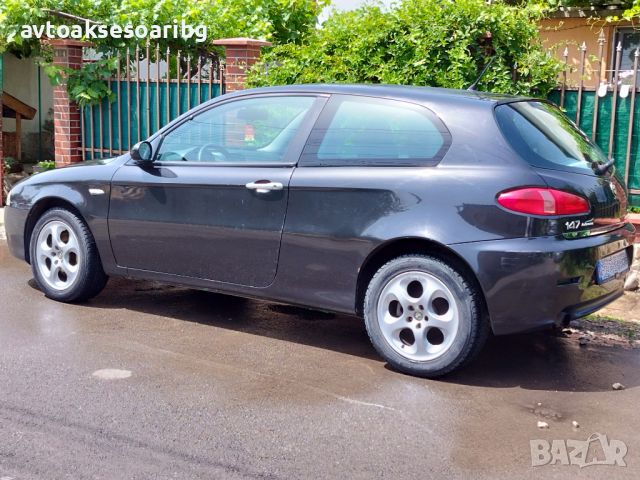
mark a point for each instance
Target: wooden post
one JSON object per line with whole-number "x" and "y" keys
{"x": 583, "y": 55}
{"x": 18, "y": 137}
{"x": 600, "y": 74}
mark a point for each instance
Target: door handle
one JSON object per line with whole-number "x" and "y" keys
{"x": 264, "y": 186}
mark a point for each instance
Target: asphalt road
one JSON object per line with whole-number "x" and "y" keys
{"x": 220, "y": 387}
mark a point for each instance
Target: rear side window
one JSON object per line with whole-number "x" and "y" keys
{"x": 370, "y": 131}
{"x": 543, "y": 136}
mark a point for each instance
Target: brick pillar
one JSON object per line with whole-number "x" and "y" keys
{"x": 66, "y": 114}
{"x": 1, "y": 140}
{"x": 241, "y": 54}
{"x": 1, "y": 155}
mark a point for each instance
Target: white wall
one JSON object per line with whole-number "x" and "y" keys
{"x": 21, "y": 81}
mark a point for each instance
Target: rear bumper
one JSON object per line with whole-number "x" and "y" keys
{"x": 15, "y": 220}
{"x": 530, "y": 283}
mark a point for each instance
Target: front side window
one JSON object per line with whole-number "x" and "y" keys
{"x": 368, "y": 131}
{"x": 543, "y": 136}
{"x": 253, "y": 130}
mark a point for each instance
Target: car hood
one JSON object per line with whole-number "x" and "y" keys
{"x": 78, "y": 172}
{"x": 93, "y": 163}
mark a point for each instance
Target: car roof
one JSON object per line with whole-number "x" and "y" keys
{"x": 432, "y": 97}
{"x": 401, "y": 92}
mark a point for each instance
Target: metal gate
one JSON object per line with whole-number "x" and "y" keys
{"x": 616, "y": 131}
{"x": 607, "y": 113}
{"x": 147, "y": 97}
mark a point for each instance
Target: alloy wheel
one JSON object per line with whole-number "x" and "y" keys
{"x": 58, "y": 255}
{"x": 418, "y": 315}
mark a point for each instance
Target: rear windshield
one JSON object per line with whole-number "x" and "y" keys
{"x": 543, "y": 136}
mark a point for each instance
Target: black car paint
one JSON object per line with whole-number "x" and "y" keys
{"x": 335, "y": 221}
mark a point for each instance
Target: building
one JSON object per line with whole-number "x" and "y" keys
{"x": 570, "y": 31}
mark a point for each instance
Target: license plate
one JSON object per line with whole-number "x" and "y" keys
{"x": 608, "y": 267}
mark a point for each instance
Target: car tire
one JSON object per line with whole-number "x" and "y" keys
{"x": 423, "y": 316}
{"x": 64, "y": 257}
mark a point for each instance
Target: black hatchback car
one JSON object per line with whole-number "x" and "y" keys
{"x": 437, "y": 215}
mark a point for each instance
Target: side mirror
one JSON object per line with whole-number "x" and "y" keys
{"x": 142, "y": 152}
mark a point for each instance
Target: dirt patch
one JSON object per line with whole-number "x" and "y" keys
{"x": 618, "y": 324}
{"x": 626, "y": 308}
{"x": 605, "y": 330}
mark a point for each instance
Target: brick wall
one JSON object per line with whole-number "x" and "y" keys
{"x": 1, "y": 163}
{"x": 66, "y": 114}
{"x": 240, "y": 55}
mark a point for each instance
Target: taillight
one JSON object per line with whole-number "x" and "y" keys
{"x": 543, "y": 201}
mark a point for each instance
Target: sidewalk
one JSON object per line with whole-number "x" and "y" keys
{"x": 2, "y": 234}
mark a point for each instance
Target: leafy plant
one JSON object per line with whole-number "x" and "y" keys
{"x": 634, "y": 209}
{"x": 590, "y": 3}
{"x": 633, "y": 12}
{"x": 87, "y": 85}
{"x": 280, "y": 21}
{"x": 8, "y": 164}
{"x": 421, "y": 42}
{"x": 45, "y": 165}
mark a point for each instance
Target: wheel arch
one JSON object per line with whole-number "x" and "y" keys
{"x": 37, "y": 210}
{"x": 407, "y": 246}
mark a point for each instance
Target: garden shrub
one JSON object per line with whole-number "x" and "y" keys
{"x": 438, "y": 43}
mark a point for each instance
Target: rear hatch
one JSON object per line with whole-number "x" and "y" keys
{"x": 568, "y": 160}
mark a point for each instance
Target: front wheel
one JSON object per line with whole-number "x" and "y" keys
{"x": 64, "y": 257}
{"x": 423, "y": 316}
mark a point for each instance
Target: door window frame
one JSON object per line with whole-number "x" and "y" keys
{"x": 293, "y": 151}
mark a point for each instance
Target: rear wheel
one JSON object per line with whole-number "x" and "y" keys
{"x": 64, "y": 257}
{"x": 423, "y": 316}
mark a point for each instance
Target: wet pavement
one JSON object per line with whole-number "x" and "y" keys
{"x": 148, "y": 381}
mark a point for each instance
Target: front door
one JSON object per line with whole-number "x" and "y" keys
{"x": 213, "y": 204}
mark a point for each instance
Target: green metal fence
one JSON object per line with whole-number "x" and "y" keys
{"x": 606, "y": 112}
{"x": 146, "y": 99}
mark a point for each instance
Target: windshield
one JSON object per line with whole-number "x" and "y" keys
{"x": 543, "y": 136}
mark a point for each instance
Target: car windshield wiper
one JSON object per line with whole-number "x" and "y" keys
{"x": 602, "y": 168}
